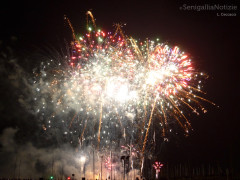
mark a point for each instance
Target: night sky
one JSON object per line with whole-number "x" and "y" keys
{"x": 212, "y": 41}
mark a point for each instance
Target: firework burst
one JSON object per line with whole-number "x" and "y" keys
{"x": 157, "y": 166}
{"x": 111, "y": 87}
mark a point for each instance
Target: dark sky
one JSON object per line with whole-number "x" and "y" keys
{"x": 212, "y": 41}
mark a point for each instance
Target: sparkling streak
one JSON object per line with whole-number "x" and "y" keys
{"x": 149, "y": 125}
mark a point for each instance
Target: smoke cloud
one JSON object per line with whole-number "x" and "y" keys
{"x": 27, "y": 161}
{"x": 28, "y": 151}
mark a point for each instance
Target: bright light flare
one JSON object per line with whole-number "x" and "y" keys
{"x": 83, "y": 159}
